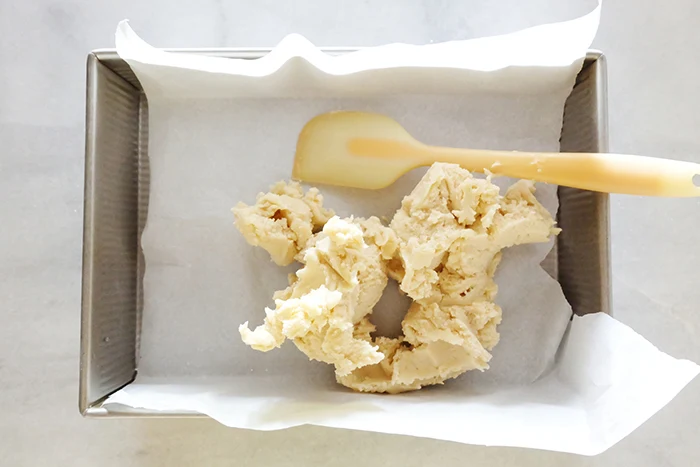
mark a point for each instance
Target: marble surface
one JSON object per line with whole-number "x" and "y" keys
{"x": 653, "y": 97}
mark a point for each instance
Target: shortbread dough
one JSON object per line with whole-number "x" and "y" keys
{"x": 442, "y": 246}
{"x": 283, "y": 220}
{"x": 342, "y": 279}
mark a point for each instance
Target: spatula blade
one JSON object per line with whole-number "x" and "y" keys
{"x": 353, "y": 149}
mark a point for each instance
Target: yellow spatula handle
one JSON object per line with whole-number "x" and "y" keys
{"x": 611, "y": 173}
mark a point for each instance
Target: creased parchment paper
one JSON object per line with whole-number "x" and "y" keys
{"x": 222, "y": 130}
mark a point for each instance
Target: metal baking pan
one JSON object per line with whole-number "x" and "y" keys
{"x": 116, "y": 204}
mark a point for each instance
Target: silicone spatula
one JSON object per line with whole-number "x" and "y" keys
{"x": 366, "y": 150}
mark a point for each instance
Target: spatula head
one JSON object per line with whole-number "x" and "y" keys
{"x": 354, "y": 149}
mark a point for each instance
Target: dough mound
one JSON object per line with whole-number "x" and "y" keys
{"x": 282, "y": 221}
{"x": 439, "y": 343}
{"x": 442, "y": 246}
{"x": 342, "y": 279}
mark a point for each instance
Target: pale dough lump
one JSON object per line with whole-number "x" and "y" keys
{"x": 283, "y": 220}
{"x": 443, "y": 246}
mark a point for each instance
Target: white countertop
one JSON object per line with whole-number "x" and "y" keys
{"x": 653, "y": 102}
